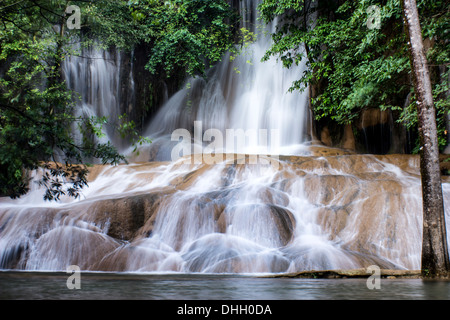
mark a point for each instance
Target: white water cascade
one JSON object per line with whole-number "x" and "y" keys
{"x": 95, "y": 75}
{"x": 239, "y": 94}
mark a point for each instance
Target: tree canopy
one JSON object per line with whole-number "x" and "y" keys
{"x": 358, "y": 62}
{"x": 38, "y": 125}
{"x": 356, "y": 52}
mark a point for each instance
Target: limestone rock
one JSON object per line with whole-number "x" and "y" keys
{"x": 276, "y": 224}
{"x": 125, "y": 216}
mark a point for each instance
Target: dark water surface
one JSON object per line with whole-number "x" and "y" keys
{"x": 119, "y": 286}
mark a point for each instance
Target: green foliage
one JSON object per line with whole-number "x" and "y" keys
{"x": 37, "y": 109}
{"x": 357, "y": 67}
{"x": 187, "y": 35}
{"x": 111, "y": 23}
{"x": 127, "y": 130}
{"x": 37, "y": 121}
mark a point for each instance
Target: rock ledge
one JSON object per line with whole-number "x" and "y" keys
{"x": 355, "y": 273}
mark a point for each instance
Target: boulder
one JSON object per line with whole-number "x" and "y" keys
{"x": 127, "y": 217}
{"x": 267, "y": 224}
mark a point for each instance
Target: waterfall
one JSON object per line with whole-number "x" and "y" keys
{"x": 315, "y": 212}
{"x": 239, "y": 94}
{"x": 97, "y": 77}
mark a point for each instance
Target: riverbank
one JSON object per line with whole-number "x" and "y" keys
{"x": 354, "y": 273}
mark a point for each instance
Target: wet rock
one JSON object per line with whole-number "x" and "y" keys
{"x": 325, "y": 137}
{"x": 267, "y": 224}
{"x": 333, "y": 220}
{"x": 366, "y": 208}
{"x": 19, "y": 230}
{"x": 374, "y": 116}
{"x": 348, "y": 142}
{"x": 12, "y": 256}
{"x": 69, "y": 245}
{"x": 338, "y": 190}
{"x": 142, "y": 255}
{"x": 127, "y": 217}
{"x": 273, "y": 196}
{"x": 219, "y": 253}
{"x": 324, "y": 151}
{"x": 353, "y": 273}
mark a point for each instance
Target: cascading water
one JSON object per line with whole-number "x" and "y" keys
{"x": 306, "y": 213}
{"x": 96, "y": 76}
{"x": 239, "y": 94}
{"x": 317, "y": 209}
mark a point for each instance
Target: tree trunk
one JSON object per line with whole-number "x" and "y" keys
{"x": 435, "y": 258}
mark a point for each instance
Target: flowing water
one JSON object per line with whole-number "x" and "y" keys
{"x": 239, "y": 94}
{"x": 308, "y": 212}
{"x": 97, "y": 76}
{"x": 298, "y": 207}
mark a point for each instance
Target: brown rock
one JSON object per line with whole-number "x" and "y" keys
{"x": 333, "y": 220}
{"x": 349, "y": 139}
{"x": 325, "y": 137}
{"x": 337, "y": 190}
{"x": 125, "y": 216}
{"x": 374, "y": 116}
{"x": 281, "y": 219}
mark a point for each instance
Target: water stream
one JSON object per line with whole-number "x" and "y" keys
{"x": 239, "y": 94}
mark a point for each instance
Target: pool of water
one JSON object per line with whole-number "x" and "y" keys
{"x": 119, "y": 286}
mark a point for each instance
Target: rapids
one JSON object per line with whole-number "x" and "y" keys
{"x": 326, "y": 209}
